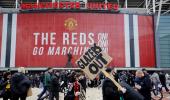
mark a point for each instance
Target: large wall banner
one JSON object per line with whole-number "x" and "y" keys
{"x": 45, "y": 39}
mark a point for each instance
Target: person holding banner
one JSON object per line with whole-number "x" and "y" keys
{"x": 109, "y": 90}
{"x": 143, "y": 84}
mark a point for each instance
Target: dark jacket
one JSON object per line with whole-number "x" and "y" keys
{"x": 3, "y": 90}
{"x": 110, "y": 91}
{"x": 83, "y": 83}
{"x": 70, "y": 93}
{"x": 162, "y": 78}
{"x": 47, "y": 79}
{"x": 146, "y": 86}
{"x": 54, "y": 83}
{"x": 20, "y": 84}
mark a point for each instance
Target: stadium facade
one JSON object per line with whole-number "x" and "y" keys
{"x": 39, "y": 38}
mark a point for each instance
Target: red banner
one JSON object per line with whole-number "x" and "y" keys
{"x": 146, "y": 41}
{"x": 45, "y": 39}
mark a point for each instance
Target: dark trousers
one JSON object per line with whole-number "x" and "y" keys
{"x": 164, "y": 85}
{"x": 7, "y": 95}
{"x": 53, "y": 94}
{"x": 17, "y": 97}
{"x": 42, "y": 93}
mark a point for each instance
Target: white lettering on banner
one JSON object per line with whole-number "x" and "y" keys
{"x": 36, "y": 38}
{"x": 65, "y": 38}
{"x": 103, "y": 41}
{"x": 57, "y": 51}
{"x": 75, "y": 51}
{"x": 82, "y": 38}
{"x": 69, "y": 50}
{"x": 75, "y": 43}
{"x": 44, "y": 38}
{"x": 64, "y": 51}
{"x": 52, "y": 38}
{"x": 38, "y": 51}
{"x": 75, "y": 39}
{"x": 52, "y": 51}
{"x": 35, "y": 51}
{"x": 85, "y": 49}
{"x": 91, "y": 36}
{"x": 81, "y": 49}
{"x": 93, "y": 61}
{"x": 41, "y": 50}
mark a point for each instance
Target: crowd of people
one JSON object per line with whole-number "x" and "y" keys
{"x": 135, "y": 84}
{"x": 16, "y": 86}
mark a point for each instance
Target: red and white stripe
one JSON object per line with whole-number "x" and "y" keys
{"x": 13, "y": 40}
{"x": 127, "y": 40}
{"x": 4, "y": 39}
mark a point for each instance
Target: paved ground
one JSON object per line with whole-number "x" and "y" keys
{"x": 166, "y": 96}
{"x": 92, "y": 94}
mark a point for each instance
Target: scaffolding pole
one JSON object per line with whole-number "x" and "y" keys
{"x": 153, "y": 3}
{"x": 105, "y": 3}
{"x": 37, "y": 2}
{"x": 159, "y": 13}
{"x": 163, "y": 2}
{"x": 166, "y": 12}
{"x": 118, "y": 2}
{"x": 126, "y": 4}
{"x": 146, "y": 4}
{"x": 53, "y": 1}
{"x": 85, "y": 1}
{"x": 16, "y": 4}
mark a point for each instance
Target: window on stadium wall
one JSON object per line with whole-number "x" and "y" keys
{"x": 164, "y": 39}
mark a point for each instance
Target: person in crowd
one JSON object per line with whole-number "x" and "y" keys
{"x": 20, "y": 85}
{"x": 64, "y": 79}
{"x": 82, "y": 81}
{"x": 41, "y": 79}
{"x": 143, "y": 84}
{"x": 130, "y": 78}
{"x": 155, "y": 81}
{"x": 31, "y": 79}
{"x": 5, "y": 86}
{"x": 77, "y": 88}
{"x": 163, "y": 80}
{"x": 69, "y": 58}
{"x": 101, "y": 79}
{"x": 146, "y": 74}
{"x": 123, "y": 76}
{"x": 54, "y": 86}
{"x": 70, "y": 92}
{"x": 115, "y": 75}
{"x": 46, "y": 83}
{"x": 109, "y": 90}
{"x": 36, "y": 80}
